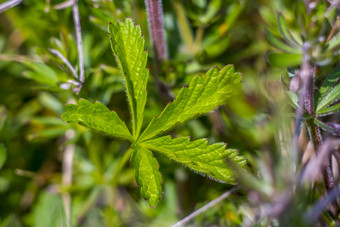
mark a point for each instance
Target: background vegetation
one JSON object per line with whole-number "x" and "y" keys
{"x": 35, "y": 84}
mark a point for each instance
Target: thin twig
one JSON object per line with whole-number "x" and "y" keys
{"x": 66, "y": 62}
{"x": 204, "y": 208}
{"x": 79, "y": 41}
{"x": 64, "y": 5}
{"x": 9, "y": 4}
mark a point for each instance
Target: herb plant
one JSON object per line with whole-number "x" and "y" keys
{"x": 204, "y": 94}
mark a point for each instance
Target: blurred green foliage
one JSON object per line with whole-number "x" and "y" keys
{"x": 200, "y": 35}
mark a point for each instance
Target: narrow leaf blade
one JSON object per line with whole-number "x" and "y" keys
{"x": 199, "y": 156}
{"x": 330, "y": 127}
{"x": 282, "y": 26}
{"x": 203, "y": 95}
{"x": 329, "y": 110}
{"x": 275, "y": 42}
{"x": 147, "y": 174}
{"x": 98, "y": 117}
{"x": 127, "y": 45}
{"x": 329, "y": 90}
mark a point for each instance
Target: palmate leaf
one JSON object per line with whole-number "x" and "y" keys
{"x": 96, "y": 116}
{"x": 203, "y": 95}
{"x": 199, "y": 156}
{"x": 127, "y": 45}
{"x": 147, "y": 174}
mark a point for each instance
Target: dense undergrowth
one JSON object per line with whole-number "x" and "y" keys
{"x": 270, "y": 133}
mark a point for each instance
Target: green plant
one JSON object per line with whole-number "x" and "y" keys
{"x": 204, "y": 93}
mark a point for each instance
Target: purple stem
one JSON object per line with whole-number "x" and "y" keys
{"x": 156, "y": 29}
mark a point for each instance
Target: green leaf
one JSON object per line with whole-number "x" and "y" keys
{"x": 41, "y": 73}
{"x": 329, "y": 110}
{"x": 49, "y": 211}
{"x": 283, "y": 59}
{"x": 3, "y": 155}
{"x": 96, "y": 116}
{"x": 330, "y": 127}
{"x": 199, "y": 156}
{"x": 286, "y": 35}
{"x": 275, "y": 42}
{"x": 127, "y": 45}
{"x": 329, "y": 90}
{"x": 203, "y": 95}
{"x": 148, "y": 176}
{"x": 292, "y": 98}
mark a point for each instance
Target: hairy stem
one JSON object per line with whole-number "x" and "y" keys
{"x": 307, "y": 76}
{"x": 156, "y": 30}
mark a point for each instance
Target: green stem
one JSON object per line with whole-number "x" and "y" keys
{"x": 120, "y": 165}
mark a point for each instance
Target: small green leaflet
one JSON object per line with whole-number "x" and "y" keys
{"x": 127, "y": 45}
{"x": 203, "y": 95}
{"x": 148, "y": 176}
{"x": 96, "y": 116}
{"x": 275, "y": 42}
{"x": 199, "y": 156}
{"x": 285, "y": 33}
